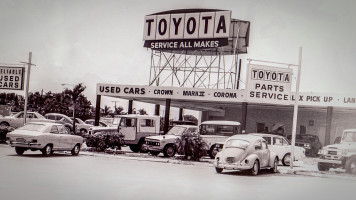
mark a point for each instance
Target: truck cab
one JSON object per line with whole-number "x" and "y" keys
{"x": 341, "y": 155}
{"x": 136, "y": 128}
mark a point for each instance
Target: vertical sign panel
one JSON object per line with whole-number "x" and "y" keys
{"x": 149, "y": 30}
{"x": 162, "y": 27}
{"x": 206, "y": 28}
{"x": 177, "y": 26}
{"x": 191, "y": 29}
{"x": 222, "y": 24}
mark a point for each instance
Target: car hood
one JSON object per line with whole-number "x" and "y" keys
{"x": 343, "y": 145}
{"x": 163, "y": 137}
{"x": 238, "y": 154}
{"x": 24, "y": 133}
{"x": 303, "y": 141}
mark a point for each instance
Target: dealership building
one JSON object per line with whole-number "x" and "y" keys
{"x": 195, "y": 65}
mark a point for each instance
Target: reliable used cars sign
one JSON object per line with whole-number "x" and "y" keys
{"x": 187, "y": 29}
{"x": 11, "y": 78}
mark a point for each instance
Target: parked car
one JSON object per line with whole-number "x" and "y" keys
{"x": 213, "y": 132}
{"x": 309, "y": 142}
{"x": 81, "y": 126}
{"x": 165, "y": 143}
{"x": 340, "y": 155}
{"x": 16, "y": 120}
{"x": 44, "y": 136}
{"x": 92, "y": 122}
{"x": 61, "y": 119}
{"x": 246, "y": 152}
{"x": 282, "y": 147}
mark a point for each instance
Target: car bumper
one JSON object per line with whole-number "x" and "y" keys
{"x": 154, "y": 148}
{"x": 327, "y": 161}
{"x": 24, "y": 144}
{"x": 233, "y": 166}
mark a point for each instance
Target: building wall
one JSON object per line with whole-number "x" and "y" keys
{"x": 313, "y": 119}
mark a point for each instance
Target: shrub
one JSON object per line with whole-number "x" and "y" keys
{"x": 104, "y": 140}
{"x": 191, "y": 145}
{"x": 4, "y": 131}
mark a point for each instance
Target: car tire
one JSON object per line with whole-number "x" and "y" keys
{"x": 47, "y": 150}
{"x": 142, "y": 146}
{"x": 286, "y": 159}
{"x": 218, "y": 170}
{"x": 212, "y": 152}
{"x": 350, "y": 165}
{"x": 134, "y": 148}
{"x": 19, "y": 151}
{"x": 4, "y": 124}
{"x": 154, "y": 153}
{"x": 274, "y": 169}
{"x": 255, "y": 168}
{"x": 323, "y": 167}
{"x": 169, "y": 151}
{"x": 76, "y": 149}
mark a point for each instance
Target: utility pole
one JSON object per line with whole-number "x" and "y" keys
{"x": 27, "y": 84}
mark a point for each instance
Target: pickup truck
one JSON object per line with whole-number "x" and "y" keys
{"x": 341, "y": 155}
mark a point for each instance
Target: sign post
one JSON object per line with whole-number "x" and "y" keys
{"x": 295, "y": 112}
{"x": 27, "y": 85}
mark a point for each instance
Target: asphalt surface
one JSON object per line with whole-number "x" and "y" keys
{"x": 63, "y": 176}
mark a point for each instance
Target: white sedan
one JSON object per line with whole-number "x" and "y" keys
{"x": 282, "y": 147}
{"x": 44, "y": 136}
{"x": 16, "y": 120}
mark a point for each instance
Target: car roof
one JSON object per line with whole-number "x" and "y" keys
{"x": 352, "y": 130}
{"x": 247, "y": 137}
{"x": 44, "y": 123}
{"x": 186, "y": 126}
{"x": 139, "y": 116}
{"x": 103, "y": 128}
{"x": 59, "y": 114}
{"x": 222, "y": 122}
{"x": 266, "y": 135}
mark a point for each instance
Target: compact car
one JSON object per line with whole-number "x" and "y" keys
{"x": 282, "y": 147}
{"x": 16, "y": 120}
{"x": 246, "y": 152}
{"x": 44, "y": 136}
{"x": 309, "y": 142}
{"x": 165, "y": 143}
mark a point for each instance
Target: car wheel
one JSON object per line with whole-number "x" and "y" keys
{"x": 143, "y": 147}
{"x": 350, "y": 165}
{"x": 286, "y": 159}
{"x": 134, "y": 148}
{"x": 154, "y": 153}
{"x": 218, "y": 170}
{"x": 4, "y": 125}
{"x": 212, "y": 152}
{"x": 75, "y": 151}
{"x": 68, "y": 129}
{"x": 323, "y": 167}
{"x": 255, "y": 168}
{"x": 275, "y": 166}
{"x": 19, "y": 151}
{"x": 83, "y": 131}
{"x": 169, "y": 151}
{"x": 47, "y": 150}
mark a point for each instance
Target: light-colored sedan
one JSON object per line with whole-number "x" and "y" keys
{"x": 282, "y": 147}
{"x": 16, "y": 120}
{"x": 246, "y": 152}
{"x": 43, "y": 136}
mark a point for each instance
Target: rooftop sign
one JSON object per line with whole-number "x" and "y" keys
{"x": 187, "y": 29}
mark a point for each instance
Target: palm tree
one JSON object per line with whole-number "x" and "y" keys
{"x": 74, "y": 95}
{"x": 106, "y": 111}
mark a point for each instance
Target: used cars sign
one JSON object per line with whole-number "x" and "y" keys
{"x": 11, "y": 78}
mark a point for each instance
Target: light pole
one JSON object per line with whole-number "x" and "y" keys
{"x": 27, "y": 84}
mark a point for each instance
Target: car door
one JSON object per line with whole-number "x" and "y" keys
{"x": 128, "y": 128}
{"x": 66, "y": 139}
{"x": 265, "y": 154}
{"x": 54, "y": 138}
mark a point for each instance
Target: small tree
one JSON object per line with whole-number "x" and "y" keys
{"x": 74, "y": 95}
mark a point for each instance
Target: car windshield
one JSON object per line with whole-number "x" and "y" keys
{"x": 176, "y": 130}
{"x": 234, "y": 143}
{"x": 349, "y": 136}
{"x": 32, "y": 127}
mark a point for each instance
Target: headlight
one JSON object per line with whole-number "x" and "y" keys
{"x": 246, "y": 161}
{"x": 307, "y": 145}
{"x": 321, "y": 151}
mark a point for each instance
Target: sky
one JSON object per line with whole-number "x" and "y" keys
{"x": 92, "y": 41}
